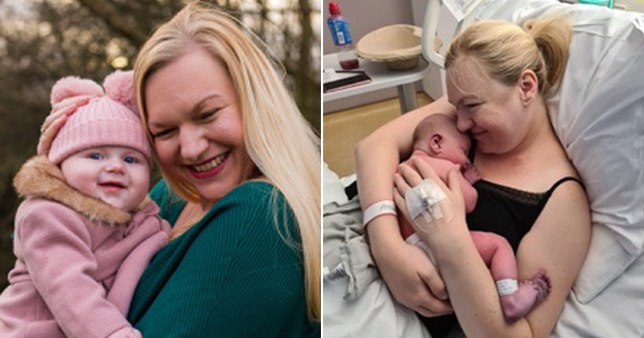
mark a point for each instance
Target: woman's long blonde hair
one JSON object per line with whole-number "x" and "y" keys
{"x": 278, "y": 139}
{"x": 505, "y": 50}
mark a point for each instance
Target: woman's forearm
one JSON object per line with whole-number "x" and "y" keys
{"x": 377, "y": 157}
{"x": 375, "y": 183}
{"x": 409, "y": 274}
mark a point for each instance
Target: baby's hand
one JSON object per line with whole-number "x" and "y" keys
{"x": 470, "y": 173}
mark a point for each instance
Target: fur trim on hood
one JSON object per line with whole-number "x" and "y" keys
{"x": 40, "y": 178}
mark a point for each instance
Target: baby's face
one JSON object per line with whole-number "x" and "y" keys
{"x": 455, "y": 148}
{"x": 119, "y": 176}
{"x": 454, "y": 145}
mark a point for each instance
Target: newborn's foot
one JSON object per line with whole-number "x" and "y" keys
{"x": 531, "y": 292}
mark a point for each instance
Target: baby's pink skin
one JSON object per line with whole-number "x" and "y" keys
{"x": 531, "y": 292}
{"x": 470, "y": 173}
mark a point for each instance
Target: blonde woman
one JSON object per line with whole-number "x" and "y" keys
{"x": 499, "y": 77}
{"x": 241, "y": 187}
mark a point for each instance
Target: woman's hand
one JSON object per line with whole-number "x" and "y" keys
{"x": 452, "y": 206}
{"x": 442, "y": 232}
{"x": 56, "y": 119}
{"x": 412, "y": 278}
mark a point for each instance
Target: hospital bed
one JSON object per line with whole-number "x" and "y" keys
{"x": 599, "y": 117}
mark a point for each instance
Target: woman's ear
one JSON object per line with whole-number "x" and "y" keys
{"x": 528, "y": 86}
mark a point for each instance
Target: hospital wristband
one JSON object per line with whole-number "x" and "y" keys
{"x": 386, "y": 207}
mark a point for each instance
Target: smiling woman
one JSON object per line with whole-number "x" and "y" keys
{"x": 197, "y": 132}
{"x": 241, "y": 187}
{"x": 498, "y": 87}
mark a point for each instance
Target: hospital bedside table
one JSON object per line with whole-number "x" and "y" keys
{"x": 381, "y": 78}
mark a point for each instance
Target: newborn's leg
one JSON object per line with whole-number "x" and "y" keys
{"x": 530, "y": 293}
{"x": 517, "y": 298}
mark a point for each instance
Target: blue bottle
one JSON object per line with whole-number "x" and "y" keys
{"x": 605, "y": 3}
{"x": 339, "y": 28}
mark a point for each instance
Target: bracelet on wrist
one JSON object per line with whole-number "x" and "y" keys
{"x": 385, "y": 207}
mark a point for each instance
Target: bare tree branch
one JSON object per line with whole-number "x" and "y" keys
{"x": 106, "y": 10}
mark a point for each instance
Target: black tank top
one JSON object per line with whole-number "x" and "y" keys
{"x": 505, "y": 211}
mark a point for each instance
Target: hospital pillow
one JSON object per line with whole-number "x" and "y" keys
{"x": 599, "y": 117}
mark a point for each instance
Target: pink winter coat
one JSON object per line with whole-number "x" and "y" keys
{"x": 78, "y": 259}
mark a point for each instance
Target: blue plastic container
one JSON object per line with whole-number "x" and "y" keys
{"x": 605, "y": 3}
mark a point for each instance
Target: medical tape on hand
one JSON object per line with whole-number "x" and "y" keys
{"x": 423, "y": 200}
{"x": 507, "y": 286}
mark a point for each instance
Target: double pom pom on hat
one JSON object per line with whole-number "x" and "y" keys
{"x": 110, "y": 117}
{"x": 119, "y": 86}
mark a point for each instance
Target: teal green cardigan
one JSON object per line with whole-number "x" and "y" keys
{"x": 230, "y": 275}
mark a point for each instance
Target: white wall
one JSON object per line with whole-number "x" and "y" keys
{"x": 365, "y": 16}
{"x": 631, "y": 5}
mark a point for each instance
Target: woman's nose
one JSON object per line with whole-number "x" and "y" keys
{"x": 192, "y": 143}
{"x": 463, "y": 123}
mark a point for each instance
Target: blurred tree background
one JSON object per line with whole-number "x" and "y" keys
{"x": 44, "y": 40}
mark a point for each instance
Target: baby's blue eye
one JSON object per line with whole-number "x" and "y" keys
{"x": 129, "y": 159}
{"x": 95, "y": 156}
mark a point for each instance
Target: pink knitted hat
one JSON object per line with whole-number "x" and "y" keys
{"x": 110, "y": 118}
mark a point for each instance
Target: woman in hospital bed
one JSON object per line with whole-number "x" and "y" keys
{"x": 598, "y": 115}
{"x": 499, "y": 77}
